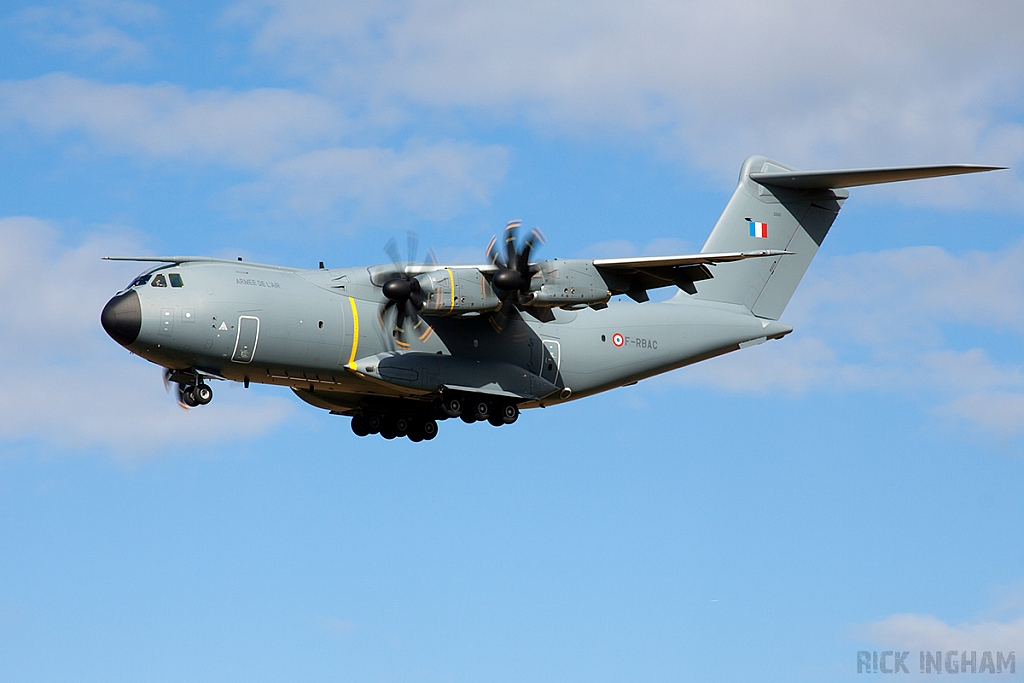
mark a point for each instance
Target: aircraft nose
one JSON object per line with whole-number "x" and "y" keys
{"x": 122, "y": 318}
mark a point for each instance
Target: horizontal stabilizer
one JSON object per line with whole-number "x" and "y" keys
{"x": 828, "y": 180}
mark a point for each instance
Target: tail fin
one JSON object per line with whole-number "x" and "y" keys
{"x": 777, "y": 207}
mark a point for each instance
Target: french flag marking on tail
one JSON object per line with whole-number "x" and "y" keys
{"x": 759, "y": 230}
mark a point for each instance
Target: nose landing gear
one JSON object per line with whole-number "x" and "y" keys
{"x": 192, "y": 390}
{"x": 192, "y": 396}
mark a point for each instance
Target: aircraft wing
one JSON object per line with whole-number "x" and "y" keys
{"x": 648, "y": 262}
{"x": 637, "y": 274}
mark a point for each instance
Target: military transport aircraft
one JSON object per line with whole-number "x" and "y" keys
{"x": 400, "y": 346}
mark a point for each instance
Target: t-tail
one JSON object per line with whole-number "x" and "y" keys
{"x": 779, "y": 208}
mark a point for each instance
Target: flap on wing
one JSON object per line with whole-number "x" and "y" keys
{"x": 648, "y": 262}
{"x": 826, "y": 180}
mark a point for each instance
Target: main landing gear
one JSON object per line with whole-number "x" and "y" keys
{"x": 392, "y": 422}
{"x": 417, "y": 427}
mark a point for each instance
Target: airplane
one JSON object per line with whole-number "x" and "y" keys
{"x": 400, "y": 346}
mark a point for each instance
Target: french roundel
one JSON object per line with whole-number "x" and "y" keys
{"x": 618, "y": 339}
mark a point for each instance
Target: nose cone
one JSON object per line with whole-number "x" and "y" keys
{"x": 122, "y": 318}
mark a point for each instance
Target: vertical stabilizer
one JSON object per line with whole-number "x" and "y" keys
{"x": 761, "y": 216}
{"x": 777, "y": 207}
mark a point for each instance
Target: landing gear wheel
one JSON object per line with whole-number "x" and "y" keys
{"x": 373, "y": 423}
{"x": 481, "y": 410}
{"x": 401, "y": 426}
{"x": 452, "y": 406}
{"x": 422, "y": 429}
{"x": 188, "y": 397}
{"x": 203, "y": 394}
{"x": 510, "y": 413}
{"x": 496, "y": 420}
{"x": 468, "y": 417}
{"x": 359, "y": 427}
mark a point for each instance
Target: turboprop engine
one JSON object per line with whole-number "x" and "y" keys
{"x": 454, "y": 291}
{"x": 568, "y": 284}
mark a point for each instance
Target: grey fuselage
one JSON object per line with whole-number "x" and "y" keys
{"x": 321, "y": 332}
{"x": 330, "y": 334}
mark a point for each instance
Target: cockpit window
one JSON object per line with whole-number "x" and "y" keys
{"x": 175, "y": 279}
{"x": 159, "y": 280}
{"x": 141, "y": 280}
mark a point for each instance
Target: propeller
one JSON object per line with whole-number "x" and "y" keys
{"x": 403, "y": 291}
{"x": 514, "y": 274}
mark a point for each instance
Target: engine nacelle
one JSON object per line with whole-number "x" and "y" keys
{"x": 453, "y": 291}
{"x": 567, "y": 283}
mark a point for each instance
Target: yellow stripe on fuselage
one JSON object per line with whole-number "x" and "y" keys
{"x": 451, "y": 281}
{"x": 355, "y": 334}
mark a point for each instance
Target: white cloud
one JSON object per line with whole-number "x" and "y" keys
{"x": 89, "y": 29}
{"x": 66, "y": 382}
{"x": 817, "y": 84}
{"x": 918, "y": 632}
{"x": 246, "y": 128}
{"x": 663, "y": 246}
{"x": 433, "y": 180}
{"x": 880, "y": 322}
{"x": 279, "y": 136}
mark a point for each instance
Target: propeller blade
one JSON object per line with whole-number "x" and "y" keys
{"x": 413, "y": 242}
{"x": 391, "y": 249}
{"x": 535, "y": 237}
{"x": 431, "y": 257}
{"x": 399, "y": 320}
{"x": 500, "y": 319}
{"x": 492, "y": 254}
{"x": 411, "y": 313}
{"x": 510, "y": 243}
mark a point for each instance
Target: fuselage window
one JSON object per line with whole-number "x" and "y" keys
{"x": 159, "y": 280}
{"x": 175, "y": 280}
{"x": 141, "y": 280}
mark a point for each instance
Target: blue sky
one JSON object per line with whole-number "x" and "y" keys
{"x": 761, "y": 516}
